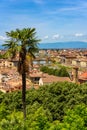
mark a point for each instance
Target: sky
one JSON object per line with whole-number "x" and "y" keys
{"x": 54, "y": 20}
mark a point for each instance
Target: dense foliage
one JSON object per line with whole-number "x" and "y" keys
{"x": 1, "y": 56}
{"x": 62, "y": 72}
{"x": 59, "y": 106}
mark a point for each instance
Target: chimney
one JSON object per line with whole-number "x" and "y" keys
{"x": 75, "y": 79}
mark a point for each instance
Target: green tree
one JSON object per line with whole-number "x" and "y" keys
{"x": 75, "y": 119}
{"x": 63, "y": 72}
{"x": 12, "y": 47}
{"x": 56, "y": 98}
{"x": 3, "y": 111}
{"x": 24, "y": 42}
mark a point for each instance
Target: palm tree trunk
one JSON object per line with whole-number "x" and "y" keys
{"x": 24, "y": 93}
{"x": 24, "y": 81}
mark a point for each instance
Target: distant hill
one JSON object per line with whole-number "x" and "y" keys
{"x": 61, "y": 45}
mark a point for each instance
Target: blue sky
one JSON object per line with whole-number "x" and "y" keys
{"x": 54, "y": 20}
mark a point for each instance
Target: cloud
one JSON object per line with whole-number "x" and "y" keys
{"x": 2, "y": 38}
{"x": 70, "y": 7}
{"x": 78, "y": 35}
{"x": 46, "y": 37}
{"x": 56, "y": 36}
{"x": 64, "y": 10}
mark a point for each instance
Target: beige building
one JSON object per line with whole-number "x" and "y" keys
{"x": 80, "y": 62}
{"x": 83, "y": 63}
{"x": 76, "y": 62}
{"x": 6, "y": 63}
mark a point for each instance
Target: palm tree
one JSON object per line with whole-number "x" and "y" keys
{"x": 12, "y": 48}
{"x": 25, "y": 42}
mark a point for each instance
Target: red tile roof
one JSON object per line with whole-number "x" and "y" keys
{"x": 50, "y": 79}
{"x": 83, "y": 76}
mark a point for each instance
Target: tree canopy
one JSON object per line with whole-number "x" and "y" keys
{"x": 55, "y": 98}
{"x": 57, "y": 106}
{"x": 62, "y": 72}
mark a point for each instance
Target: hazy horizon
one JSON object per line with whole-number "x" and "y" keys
{"x": 62, "y": 45}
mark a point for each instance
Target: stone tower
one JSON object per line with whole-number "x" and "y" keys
{"x": 75, "y": 74}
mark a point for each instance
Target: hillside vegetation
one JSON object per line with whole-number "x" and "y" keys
{"x": 61, "y": 72}
{"x": 59, "y": 106}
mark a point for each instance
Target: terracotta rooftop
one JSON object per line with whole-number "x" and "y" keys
{"x": 50, "y": 79}
{"x": 83, "y": 76}
{"x": 35, "y": 75}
